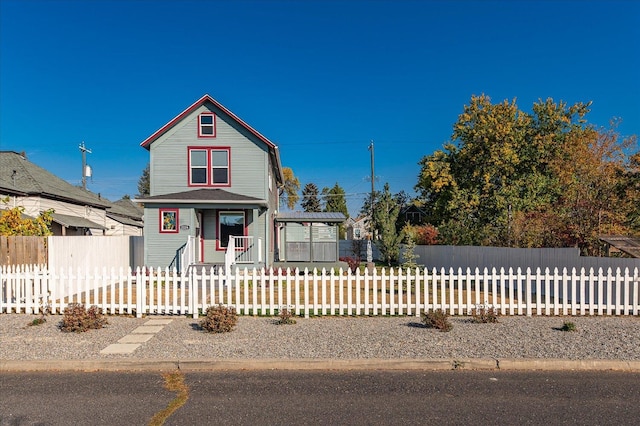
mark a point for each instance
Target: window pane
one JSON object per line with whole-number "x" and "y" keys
{"x": 169, "y": 221}
{"x": 219, "y": 158}
{"x": 206, "y": 119}
{"x": 206, "y": 130}
{"x": 198, "y": 158}
{"x": 220, "y": 176}
{"x": 198, "y": 175}
{"x": 230, "y": 224}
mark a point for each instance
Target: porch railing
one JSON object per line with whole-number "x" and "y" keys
{"x": 243, "y": 250}
{"x": 188, "y": 254}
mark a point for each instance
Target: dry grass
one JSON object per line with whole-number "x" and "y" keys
{"x": 260, "y": 296}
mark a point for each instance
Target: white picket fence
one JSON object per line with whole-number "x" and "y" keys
{"x": 311, "y": 293}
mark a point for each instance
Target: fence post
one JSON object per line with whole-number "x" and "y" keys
{"x": 139, "y": 292}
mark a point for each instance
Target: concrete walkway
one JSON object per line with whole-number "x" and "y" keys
{"x": 133, "y": 341}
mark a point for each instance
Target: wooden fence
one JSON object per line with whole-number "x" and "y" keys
{"x": 264, "y": 292}
{"x": 19, "y": 250}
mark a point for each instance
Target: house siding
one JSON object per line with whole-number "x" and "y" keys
{"x": 170, "y": 163}
{"x": 160, "y": 248}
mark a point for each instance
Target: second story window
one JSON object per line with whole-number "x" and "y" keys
{"x": 209, "y": 166}
{"x": 207, "y": 125}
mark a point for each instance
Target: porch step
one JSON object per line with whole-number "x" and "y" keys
{"x": 200, "y": 267}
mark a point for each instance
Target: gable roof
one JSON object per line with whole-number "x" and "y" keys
{"x": 21, "y": 177}
{"x": 273, "y": 148}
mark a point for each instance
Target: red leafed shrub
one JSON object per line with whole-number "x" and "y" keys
{"x": 353, "y": 262}
{"x": 426, "y": 235}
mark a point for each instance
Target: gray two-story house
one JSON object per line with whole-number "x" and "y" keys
{"x": 214, "y": 182}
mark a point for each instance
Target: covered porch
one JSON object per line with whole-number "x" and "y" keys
{"x": 308, "y": 240}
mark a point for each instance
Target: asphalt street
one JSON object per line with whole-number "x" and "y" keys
{"x": 362, "y": 397}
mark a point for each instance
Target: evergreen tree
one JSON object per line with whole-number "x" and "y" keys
{"x": 144, "y": 183}
{"x": 335, "y": 201}
{"x": 385, "y": 216}
{"x": 310, "y": 201}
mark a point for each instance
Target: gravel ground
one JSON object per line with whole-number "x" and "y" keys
{"x": 614, "y": 338}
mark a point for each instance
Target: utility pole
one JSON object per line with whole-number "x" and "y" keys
{"x": 370, "y": 264}
{"x": 373, "y": 188}
{"x": 84, "y": 151}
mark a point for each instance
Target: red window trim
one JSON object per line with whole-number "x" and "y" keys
{"x": 161, "y": 221}
{"x": 245, "y": 230}
{"x": 208, "y": 183}
{"x": 206, "y": 136}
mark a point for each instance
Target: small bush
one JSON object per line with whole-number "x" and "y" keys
{"x": 353, "y": 262}
{"x": 484, "y": 314}
{"x": 285, "y": 317}
{"x": 438, "y": 319}
{"x": 219, "y": 319}
{"x": 77, "y": 318}
{"x": 569, "y": 326}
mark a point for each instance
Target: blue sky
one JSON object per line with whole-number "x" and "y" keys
{"x": 321, "y": 79}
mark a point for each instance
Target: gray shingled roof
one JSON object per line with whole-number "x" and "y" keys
{"x": 323, "y": 217}
{"x": 75, "y": 221}
{"x": 203, "y": 195}
{"x": 30, "y": 179}
{"x": 126, "y": 220}
{"x": 126, "y": 207}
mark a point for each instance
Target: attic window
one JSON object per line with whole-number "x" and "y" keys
{"x": 207, "y": 125}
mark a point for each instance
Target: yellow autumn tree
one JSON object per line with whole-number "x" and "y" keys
{"x": 14, "y": 222}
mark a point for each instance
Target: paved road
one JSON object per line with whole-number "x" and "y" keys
{"x": 328, "y": 397}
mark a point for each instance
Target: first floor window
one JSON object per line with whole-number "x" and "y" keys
{"x": 169, "y": 220}
{"x": 230, "y": 224}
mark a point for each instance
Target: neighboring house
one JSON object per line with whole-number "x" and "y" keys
{"x": 76, "y": 211}
{"x": 124, "y": 217}
{"x": 212, "y": 177}
{"x": 358, "y": 228}
{"x": 413, "y": 215}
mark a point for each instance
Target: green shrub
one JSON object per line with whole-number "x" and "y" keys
{"x": 569, "y": 326}
{"x": 77, "y": 318}
{"x": 219, "y": 319}
{"x": 285, "y": 317}
{"x": 484, "y": 314}
{"x": 438, "y": 319}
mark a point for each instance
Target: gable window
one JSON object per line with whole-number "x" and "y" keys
{"x": 207, "y": 125}
{"x": 209, "y": 166}
{"x": 169, "y": 220}
{"x": 230, "y": 224}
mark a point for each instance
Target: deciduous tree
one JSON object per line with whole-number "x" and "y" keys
{"x": 289, "y": 192}
{"x": 13, "y": 222}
